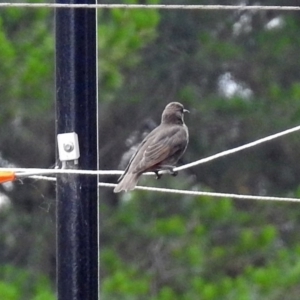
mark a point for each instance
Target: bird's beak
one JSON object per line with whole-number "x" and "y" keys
{"x": 186, "y": 111}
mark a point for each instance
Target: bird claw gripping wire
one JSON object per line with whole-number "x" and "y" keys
{"x": 170, "y": 169}
{"x": 158, "y": 176}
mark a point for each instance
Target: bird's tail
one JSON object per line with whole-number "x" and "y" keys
{"x": 128, "y": 183}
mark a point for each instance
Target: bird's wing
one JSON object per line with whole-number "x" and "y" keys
{"x": 131, "y": 159}
{"x": 149, "y": 136}
{"x": 155, "y": 150}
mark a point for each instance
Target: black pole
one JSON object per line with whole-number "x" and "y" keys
{"x": 76, "y": 111}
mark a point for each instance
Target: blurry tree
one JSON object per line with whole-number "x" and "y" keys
{"x": 27, "y": 118}
{"x": 238, "y": 73}
{"x": 27, "y": 139}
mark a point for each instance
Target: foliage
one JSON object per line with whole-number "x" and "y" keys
{"x": 24, "y": 67}
{"x": 238, "y": 73}
{"x": 18, "y": 284}
{"x": 195, "y": 247}
{"x": 121, "y": 34}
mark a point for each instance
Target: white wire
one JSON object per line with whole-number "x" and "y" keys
{"x": 152, "y": 6}
{"x": 190, "y": 193}
{"x": 35, "y": 171}
{"x": 237, "y": 149}
{"x": 199, "y": 193}
{"x": 46, "y": 178}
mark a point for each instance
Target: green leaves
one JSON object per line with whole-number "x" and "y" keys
{"x": 16, "y": 284}
{"x": 122, "y": 35}
{"x": 27, "y": 62}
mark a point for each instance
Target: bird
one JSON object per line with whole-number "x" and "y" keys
{"x": 160, "y": 149}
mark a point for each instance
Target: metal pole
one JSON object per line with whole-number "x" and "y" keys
{"x": 76, "y": 111}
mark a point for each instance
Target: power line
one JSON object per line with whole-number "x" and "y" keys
{"x": 190, "y": 193}
{"x": 154, "y": 6}
{"x": 211, "y": 194}
{"x": 23, "y": 172}
{"x": 37, "y": 173}
{"x": 237, "y": 149}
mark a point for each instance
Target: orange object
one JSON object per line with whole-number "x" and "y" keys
{"x": 7, "y": 176}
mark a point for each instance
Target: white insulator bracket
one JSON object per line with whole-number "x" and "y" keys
{"x": 68, "y": 147}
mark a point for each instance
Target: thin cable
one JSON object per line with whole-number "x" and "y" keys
{"x": 23, "y": 172}
{"x": 240, "y": 148}
{"x": 46, "y": 178}
{"x": 34, "y": 171}
{"x": 153, "y": 6}
{"x": 190, "y": 193}
{"x": 198, "y": 193}
{"x": 224, "y": 153}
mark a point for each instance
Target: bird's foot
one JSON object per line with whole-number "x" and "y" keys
{"x": 158, "y": 176}
{"x": 170, "y": 169}
{"x": 174, "y": 173}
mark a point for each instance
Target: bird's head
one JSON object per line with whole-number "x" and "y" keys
{"x": 173, "y": 113}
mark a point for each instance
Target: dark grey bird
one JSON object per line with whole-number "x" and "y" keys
{"x": 160, "y": 150}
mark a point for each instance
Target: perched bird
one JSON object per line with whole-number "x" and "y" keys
{"x": 160, "y": 150}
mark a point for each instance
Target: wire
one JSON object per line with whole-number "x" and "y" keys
{"x": 9, "y": 174}
{"x": 190, "y": 193}
{"x": 199, "y": 193}
{"x": 46, "y": 178}
{"x": 237, "y": 149}
{"x": 153, "y": 6}
{"x": 23, "y": 172}
{"x": 61, "y": 171}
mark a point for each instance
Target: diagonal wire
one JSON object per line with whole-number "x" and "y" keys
{"x": 22, "y": 172}
{"x": 237, "y": 149}
{"x": 190, "y": 193}
{"x": 199, "y": 193}
{"x": 37, "y": 173}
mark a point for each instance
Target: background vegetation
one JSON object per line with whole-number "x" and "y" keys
{"x": 238, "y": 72}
